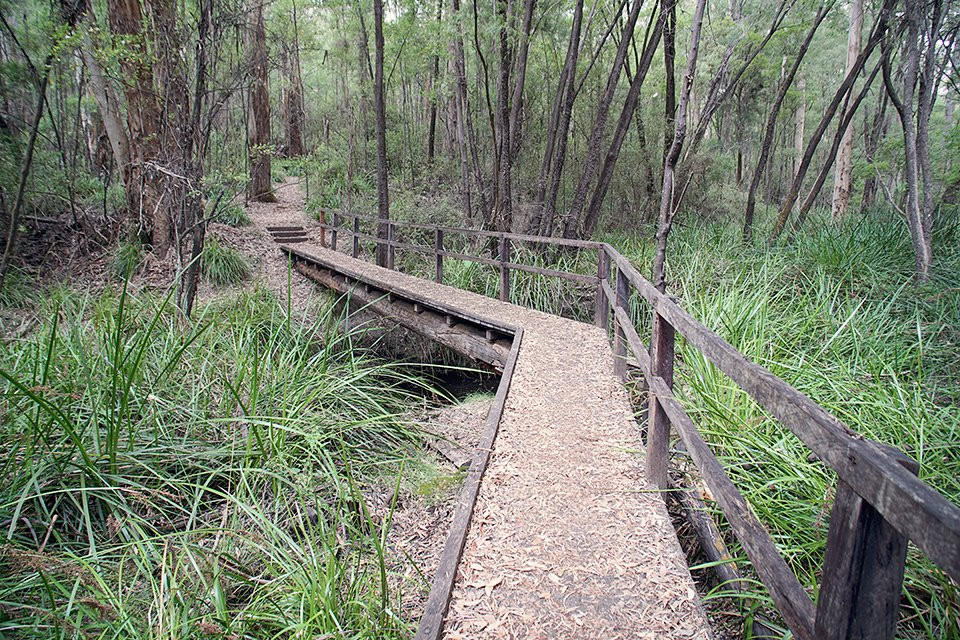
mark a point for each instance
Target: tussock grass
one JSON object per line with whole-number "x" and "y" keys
{"x": 221, "y": 265}
{"x": 19, "y": 289}
{"x": 233, "y": 215}
{"x": 835, "y": 314}
{"x": 162, "y": 480}
{"x": 127, "y": 258}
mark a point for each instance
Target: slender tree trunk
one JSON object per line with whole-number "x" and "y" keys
{"x": 26, "y": 162}
{"x": 842, "y": 174}
{"x": 107, "y": 102}
{"x": 434, "y": 78}
{"x": 572, "y": 225}
{"x": 626, "y": 115}
{"x": 914, "y": 121}
{"x": 667, "y": 211}
{"x": 799, "y": 126}
{"x": 552, "y": 167}
{"x": 771, "y": 125}
{"x": 261, "y": 184}
{"x": 669, "y": 9}
{"x": 464, "y": 125}
{"x": 845, "y": 87}
{"x": 383, "y": 197}
{"x": 502, "y": 196}
{"x": 293, "y": 107}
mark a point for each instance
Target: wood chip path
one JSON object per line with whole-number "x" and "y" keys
{"x": 567, "y": 539}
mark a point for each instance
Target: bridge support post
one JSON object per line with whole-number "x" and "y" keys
{"x": 356, "y": 236}
{"x": 601, "y": 316}
{"x": 862, "y": 568}
{"x": 658, "y": 429}
{"x": 504, "y": 270}
{"x": 619, "y": 338}
{"x": 438, "y": 251}
{"x": 333, "y": 232}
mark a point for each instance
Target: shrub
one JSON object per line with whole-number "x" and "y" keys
{"x": 126, "y": 259}
{"x": 222, "y": 265}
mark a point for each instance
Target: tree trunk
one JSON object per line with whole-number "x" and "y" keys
{"x": 770, "y": 129}
{"x": 26, "y": 162}
{"x": 434, "y": 78}
{"x": 383, "y": 198}
{"x": 669, "y": 9}
{"x": 579, "y": 200}
{"x": 502, "y": 196}
{"x": 914, "y": 122}
{"x": 842, "y": 174}
{"x": 845, "y": 87}
{"x": 626, "y": 115}
{"x": 667, "y": 211}
{"x": 799, "y": 126}
{"x": 464, "y": 123}
{"x": 261, "y": 184}
{"x": 552, "y": 167}
{"x": 293, "y": 103}
{"x": 107, "y": 102}
{"x": 143, "y": 193}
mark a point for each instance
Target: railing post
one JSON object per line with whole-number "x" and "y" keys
{"x": 323, "y": 230}
{"x": 602, "y": 314}
{"x": 862, "y": 568}
{"x": 390, "y": 248}
{"x": 333, "y": 232}
{"x": 504, "y": 270}
{"x": 619, "y": 339}
{"x": 438, "y": 249}
{"x": 658, "y": 427}
{"x": 356, "y": 236}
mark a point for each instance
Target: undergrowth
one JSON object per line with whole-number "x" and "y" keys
{"x": 221, "y": 265}
{"x": 168, "y": 480}
{"x": 835, "y": 314}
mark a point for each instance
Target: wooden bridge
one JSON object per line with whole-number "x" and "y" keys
{"x": 558, "y": 531}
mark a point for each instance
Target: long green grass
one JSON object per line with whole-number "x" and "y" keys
{"x": 170, "y": 480}
{"x": 835, "y": 314}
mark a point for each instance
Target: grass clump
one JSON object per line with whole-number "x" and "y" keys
{"x": 19, "y": 290}
{"x": 221, "y": 265}
{"x": 127, "y": 258}
{"x": 233, "y": 215}
{"x": 162, "y": 480}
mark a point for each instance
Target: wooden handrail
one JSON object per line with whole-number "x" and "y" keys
{"x": 880, "y": 501}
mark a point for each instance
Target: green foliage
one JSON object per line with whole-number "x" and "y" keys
{"x": 221, "y": 265}
{"x": 19, "y": 289}
{"x": 126, "y": 258}
{"x": 204, "y": 479}
{"x": 233, "y": 215}
{"x": 834, "y": 314}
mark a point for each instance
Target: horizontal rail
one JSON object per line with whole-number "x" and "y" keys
{"x": 787, "y": 592}
{"x": 481, "y": 233}
{"x": 917, "y": 510}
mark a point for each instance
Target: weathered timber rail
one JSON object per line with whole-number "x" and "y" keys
{"x": 880, "y": 503}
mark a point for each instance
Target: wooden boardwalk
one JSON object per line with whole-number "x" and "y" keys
{"x": 567, "y": 538}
